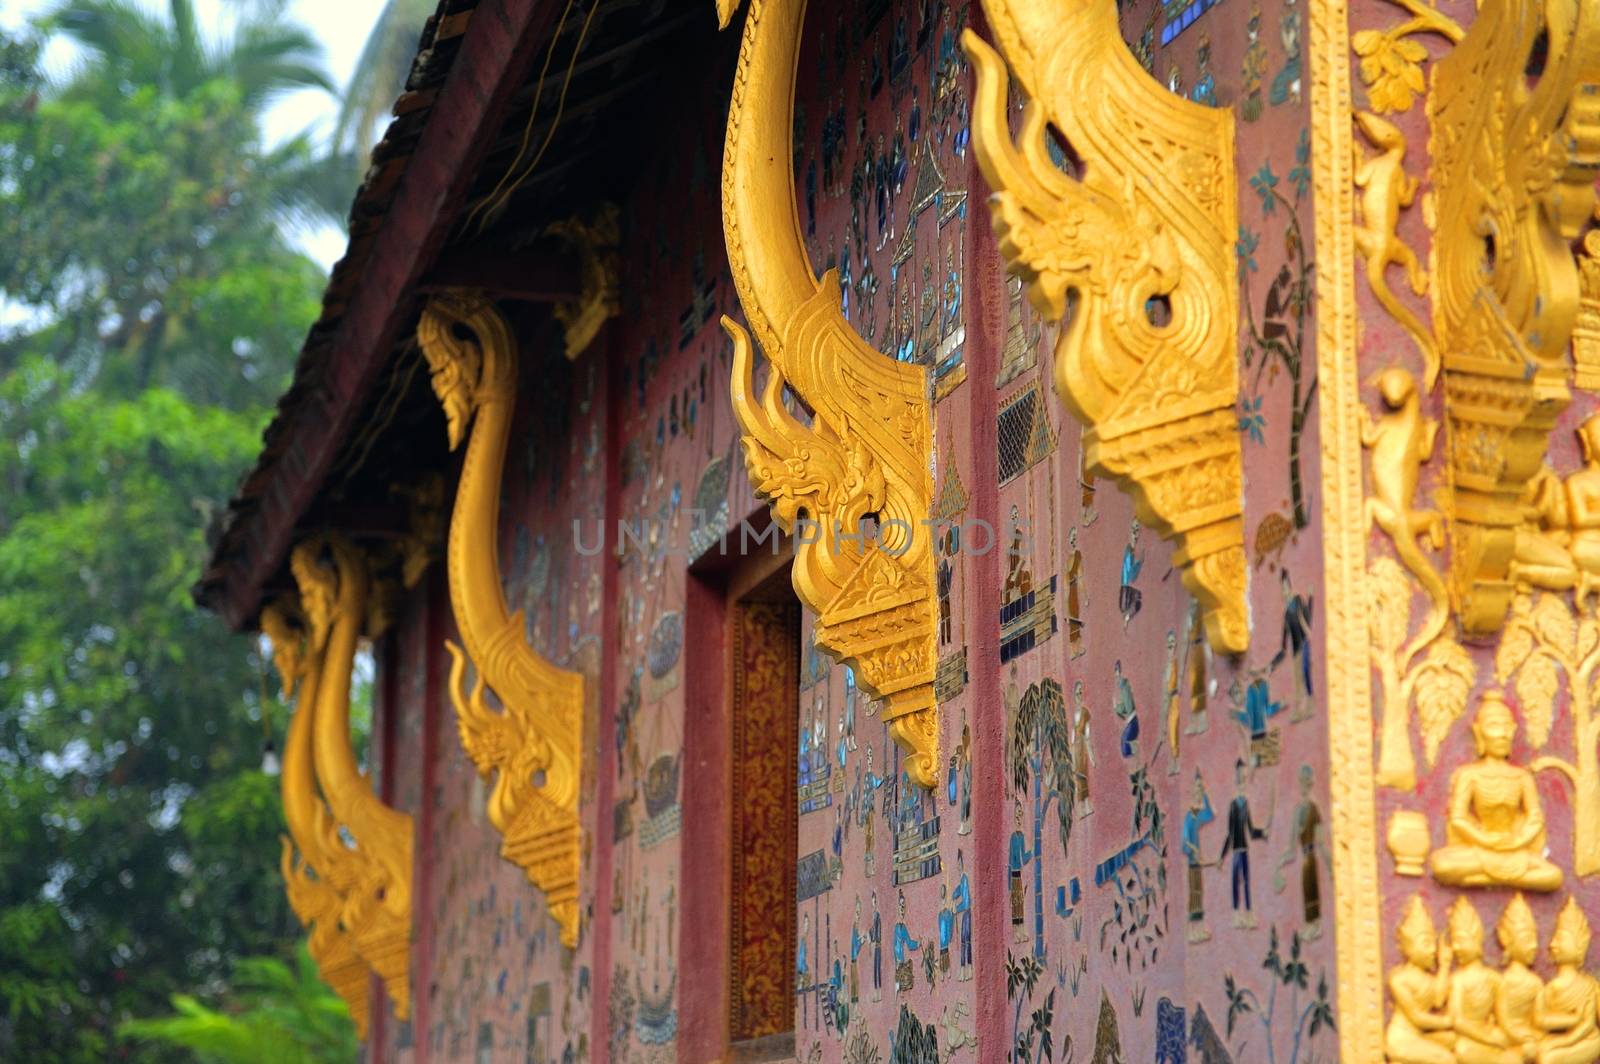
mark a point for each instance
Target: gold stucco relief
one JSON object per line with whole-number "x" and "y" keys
{"x": 532, "y": 747}
{"x": 859, "y": 472}
{"x": 1143, "y": 240}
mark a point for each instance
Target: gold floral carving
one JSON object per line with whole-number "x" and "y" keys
{"x": 1149, "y": 362}
{"x": 534, "y": 743}
{"x": 1401, "y": 440}
{"x": 334, "y": 590}
{"x": 1586, "y": 331}
{"x": 600, "y": 299}
{"x": 1514, "y": 172}
{"x": 312, "y": 871}
{"x": 860, "y": 471}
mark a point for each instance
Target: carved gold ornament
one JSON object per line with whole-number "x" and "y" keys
{"x": 1449, "y": 1005}
{"x": 601, "y": 299}
{"x": 313, "y": 874}
{"x": 1514, "y": 168}
{"x": 376, "y": 865}
{"x": 860, "y": 472}
{"x": 534, "y": 744}
{"x": 1149, "y": 362}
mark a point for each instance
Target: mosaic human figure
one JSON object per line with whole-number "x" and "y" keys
{"x": 1519, "y": 986}
{"x": 962, "y": 896}
{"x": 1196, "y": 664}
{"x": 1074, "y": 578}
{"x": 876, "y": 937}
{"x": 947, "y": 927}
{"x": 965, "y": 755}
{"x": 1297, "y": 617}
{"x": 1123, "y": 707}
{"x": 1242, "y": 830}
{"x": 856, "y": 944}
{"x": 1197, "y": 816}
{"x": 1129, "y": 597}
{"x": 1171, "y": 683}
{"x": 1082, "y": 750}
{"x": 1566, "y": 1007}
{"x": 1086, "y": 487}
{"x": 1255, "y": 67}
{"x": 802, "y": 972}
{"x": 904, "y": 945}
{"x": 1308, "y": 842}
{"x": 1018, "y": 857}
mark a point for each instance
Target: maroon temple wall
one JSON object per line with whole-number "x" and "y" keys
{"x": 1067, "y": 658}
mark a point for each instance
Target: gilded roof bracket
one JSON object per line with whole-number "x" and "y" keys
{"x": 866, "y": 456}
{"x": 534, "y": 744}
{"x": 335, "y": 588}
{"x": 596, "y": 242}
{"x": 1514, "y": 169}
{"x": 312, "y": 874}
{"x": 1143, "y": 238}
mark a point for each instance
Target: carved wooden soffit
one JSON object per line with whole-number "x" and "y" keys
{"x": 1514, "y": 163}
{"x": 311, "y": 877}
{"x": 534, "y": 743}
{"x": 595, "y": 242}
{"x": 374, "y": 875}
{"x": 1149, "y": 361}
{"x": 867, "y": 451}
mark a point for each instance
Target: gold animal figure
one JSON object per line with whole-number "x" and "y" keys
{"x": 1400, "y": 441}
{"x": 1386, "y": 189}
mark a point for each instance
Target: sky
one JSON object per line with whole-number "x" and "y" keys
{"x": 341, "y": 25}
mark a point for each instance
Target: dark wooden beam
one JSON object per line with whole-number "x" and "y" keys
{"x": 544, "y": 273}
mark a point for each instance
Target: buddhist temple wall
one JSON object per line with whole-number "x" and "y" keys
{"x": 1070, "y": 875}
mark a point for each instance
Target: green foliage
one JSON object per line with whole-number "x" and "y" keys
{"x": 276, "y": 1014}
{"x": 152, "y": 307}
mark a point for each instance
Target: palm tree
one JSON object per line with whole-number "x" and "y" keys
{"x": 379, "y": 76}
{"x": 131, "y": 50}
{"x": 264, "y": 56}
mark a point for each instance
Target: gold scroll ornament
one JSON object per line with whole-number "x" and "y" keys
{"x": 534, "y": 743}
{"x": 317, "y": 868}
{"x": 336, "y": 594}
{"x": 1515, "y": 157}
{"x": 865, "y": 459}
{"x": 1144, "y": 239}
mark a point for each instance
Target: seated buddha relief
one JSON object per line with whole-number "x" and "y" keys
{"x": 1495, "y": 829}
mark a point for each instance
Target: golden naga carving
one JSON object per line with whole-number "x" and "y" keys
{"x": 1514, "y": 168}
{"x": 535, "y": 743}
{"x": 1400, "y": 441}
{"x": 596, "y": 244}
{"x": 311, "y": 873}
{"x": 1495, "y": 826}
{"x": 865, "y": 458}
{"x": 1144, "y": 238}
{"x": 377, "y": 900}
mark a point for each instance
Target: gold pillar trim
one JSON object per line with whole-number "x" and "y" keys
{"x": 335, "y": 588}
{"x": 1144, "y": 237}
{"x": 1352, "y": 786}
{"x": 311, "y": 872}
{"x": 1513, "y": 171}
{"x": 533, "y": 747}
{"x": 867, "y": 452}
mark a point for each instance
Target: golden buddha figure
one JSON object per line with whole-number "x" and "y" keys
{"x": 1582, "y": 497}
{"x": 1519, "y": 986}
{"x": 1474, "y": 991}
{"x": 1566, "y": 1007}
{"x": 1419, "y": 1030}
{"x": 1495, "y": 829}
